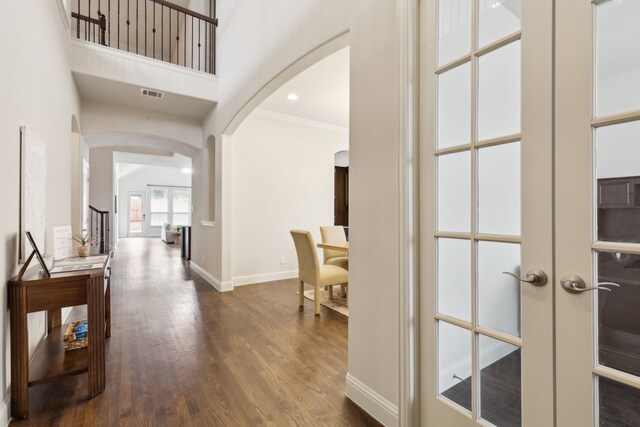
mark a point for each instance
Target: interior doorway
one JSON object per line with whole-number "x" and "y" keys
{"x": 341, "y": 196}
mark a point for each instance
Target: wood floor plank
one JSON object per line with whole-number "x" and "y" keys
{"x": 183, "y": 354}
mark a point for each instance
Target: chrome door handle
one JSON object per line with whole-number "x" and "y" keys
{"x": 575, "y": 285}
{"x": 535, "y": 277}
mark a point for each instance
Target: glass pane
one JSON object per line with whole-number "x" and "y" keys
{"x": 617, "y": 57}
{"x": 498, "y": 293}
{"x": 499, "y": 92}
{"x": 500, "y": 390}
{"x": 454, "y": 29}
{"x": 618, "y": 173}
{"x": 454, "y": 364}
{"x": 454, "y": 107}
{"x": 135, "y": 214}
{"x": 619, "y": 404}
{"x": 158, "y": 219}
{"x": 497, "y": 19}
{"x": 135, "y": 204}
{"x": 618, "y": 313}
{"x": 181, "y": 219}
{"x": 454, "y": 278}
{"x": 454, "y": 192}
{"x": 160, "y": 200}
{"x": 499, "y": 189}
{"x": 181, "y": 200}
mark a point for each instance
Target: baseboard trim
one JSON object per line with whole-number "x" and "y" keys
{"x": 217, "y": 284}
{"x": 371, "y": 402}
{"x": 5, "y": 413}
{"x": 266, "y": 277}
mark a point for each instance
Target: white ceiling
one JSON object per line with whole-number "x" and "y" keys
{"x": 128, "y": 163}
{"x": 323, "y": 91}
{"x": 95, "y": 88}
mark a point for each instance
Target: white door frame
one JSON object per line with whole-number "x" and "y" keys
{"x": 562, "y": 124}
{"x": 84, "y": 195}
{"x": 143, "y": 233}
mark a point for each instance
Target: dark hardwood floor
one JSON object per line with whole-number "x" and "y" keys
{"x": 183, "y": 354}
{"x": 500, "y": 396}
{"x": 499, "y": 391}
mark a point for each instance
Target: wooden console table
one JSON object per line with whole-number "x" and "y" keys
{"x": 36, "y": 292}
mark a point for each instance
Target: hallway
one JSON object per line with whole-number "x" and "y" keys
{"x": 182, "y": 353}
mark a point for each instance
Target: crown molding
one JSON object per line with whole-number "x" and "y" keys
{"x": 300, "y": 121}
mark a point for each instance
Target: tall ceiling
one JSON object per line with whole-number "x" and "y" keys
{"x": 322, "y": 90}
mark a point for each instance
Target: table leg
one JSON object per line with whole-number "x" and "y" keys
{"x": 54, "y": 318}
{"x": 19, "y": 352}
{"x": 96, "y": 320}
{"x": 107, "y": 308}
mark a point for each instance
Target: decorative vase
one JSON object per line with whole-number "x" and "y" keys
{"x": 83, "y": 251}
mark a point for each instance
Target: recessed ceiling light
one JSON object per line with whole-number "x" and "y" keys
{"x": 292, "y": 97}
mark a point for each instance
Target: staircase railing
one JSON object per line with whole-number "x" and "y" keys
{"x": 156, "y": 29}
{"x": 100, "y": 229}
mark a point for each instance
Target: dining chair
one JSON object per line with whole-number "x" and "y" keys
{"x": 334, "y": 234}
{"x": 312, "y": 272}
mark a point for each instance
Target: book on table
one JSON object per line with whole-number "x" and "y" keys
{"x": 78, "y": 264}
{"x": 76, "y": 335}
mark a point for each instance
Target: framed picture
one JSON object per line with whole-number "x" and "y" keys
{"x": 38, "y": 254}
{"x": 33, "y": 191}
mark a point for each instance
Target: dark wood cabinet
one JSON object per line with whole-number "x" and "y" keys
{"x": 619, "y": 192}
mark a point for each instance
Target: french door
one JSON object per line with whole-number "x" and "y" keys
{"x": 136, "y": 216}
{"x": 530, "y": 225}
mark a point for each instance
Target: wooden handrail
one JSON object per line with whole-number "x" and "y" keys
{"x": 98, "y": 210}
{"x": 85, "y": 18}
{"x": 157, "y": 29}
{"x": 187, "y": 11}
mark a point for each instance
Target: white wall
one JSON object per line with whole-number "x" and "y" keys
{"x": 37, "y": 92}
{"x": 341, "y": 158}
{"x": 282, "y": 178}
{"x": 262, "y": 44}
{"x": 257, "y": 40}
{"x": 373, "y": 206}
{"x": 101, "y": 118}
{"x": 140, "y": 181}
{"x": 101, "y": 182}
{"x": 79, "y": 152}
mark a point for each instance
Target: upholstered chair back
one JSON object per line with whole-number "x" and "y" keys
{"x": 308, "y": 265}
{"x": 332, "y": 234}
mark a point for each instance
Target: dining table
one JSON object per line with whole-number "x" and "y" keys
{"x": 342, "y": 247}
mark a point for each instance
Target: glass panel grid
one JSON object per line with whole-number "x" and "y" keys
{"x": 616, "y": 252}
{"x": 619, "y": 404}
{"x": 454, "y": 278}
{"x": 617, "y": 58}
{"x": 473, "y": 233}
{"x": 454, "y": 29}
{"x": 497, "y": 19}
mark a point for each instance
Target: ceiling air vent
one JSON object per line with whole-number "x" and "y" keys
{"x": 152, "y": 93}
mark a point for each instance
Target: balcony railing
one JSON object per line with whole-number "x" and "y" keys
{"x": 156, "y": 29}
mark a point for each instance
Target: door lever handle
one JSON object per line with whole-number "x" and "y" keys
{"x": 575, "y": 285}
{"x": 535, "y": 277}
